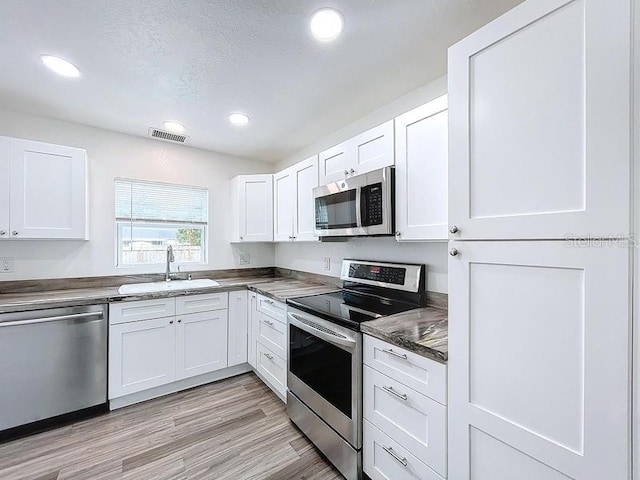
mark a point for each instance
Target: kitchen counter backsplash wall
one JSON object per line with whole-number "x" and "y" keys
{"x": 114, "y": 155}
{"x": 310, "y": 257}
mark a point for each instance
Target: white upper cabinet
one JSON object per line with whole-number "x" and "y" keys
{"x": 252, "y": 208}
{"x": 368, "y": 151}
{"x": 5, "y": 227}
{"x": 539, "y": 123}
{"x": 539, "y": 361}
{"x": 284, "y": 195}
{"x": 47, "y": 190}
{"x": 421, "y": 172}
{"x": 293, "y": 202}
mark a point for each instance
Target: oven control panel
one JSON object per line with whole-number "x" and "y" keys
{"x": 390, "y": 275}
{"x": 377, "y": 273}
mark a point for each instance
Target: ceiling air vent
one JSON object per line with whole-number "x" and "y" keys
{"x": 167, "y": 136}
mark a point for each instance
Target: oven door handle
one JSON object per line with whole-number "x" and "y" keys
{"x": 328, "y": 335}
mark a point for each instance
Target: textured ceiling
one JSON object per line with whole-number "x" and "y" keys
{"x": 195, "y": 61}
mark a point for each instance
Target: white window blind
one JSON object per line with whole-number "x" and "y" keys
{"x": 140, "y": 201}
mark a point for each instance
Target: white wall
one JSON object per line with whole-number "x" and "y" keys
{"x": 114, "y": 155}
{"x": 310, "y": 257}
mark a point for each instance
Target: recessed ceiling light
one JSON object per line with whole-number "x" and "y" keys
{"x": 60, "y": 66}
{"x": 239, "y": 119}
{"x": 174, "y": 127}
{"x": 326, "y": 24}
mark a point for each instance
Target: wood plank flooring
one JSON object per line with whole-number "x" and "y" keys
{"x": 235, "y": 429}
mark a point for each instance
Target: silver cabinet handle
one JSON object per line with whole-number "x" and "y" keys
{"x": 398, "y": 234}
{"x": 397, "y": 457}
{"x": 180, "y": 321}
{"x": 395, "y": 354}
{"x": 14, "y": 233}
{"x": 346, "y": 172}
{"x": 268, "y": 355}
{"x": 241, "y": 238}
{"x": 270, "y": 302}
{"x": 453, "y": 229}
{"x": 268, "y": 322}
{"x": 453, "y": 252}
{"x": 390, "y": 390}
{"x": 352, "y": 171}
{"x": 170, "y": 322}
{"x": 2, "y": 233}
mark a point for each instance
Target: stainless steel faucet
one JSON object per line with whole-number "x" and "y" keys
{"x": 170, "y": 258}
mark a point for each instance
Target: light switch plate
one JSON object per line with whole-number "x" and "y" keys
{"x": 6, "y": 265}
{"x": 245, "y": 259}
{"x": 327, "y": 263}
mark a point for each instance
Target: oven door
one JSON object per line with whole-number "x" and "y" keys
{"x": 324, "y": 372}
{"x": 338, "y": 208}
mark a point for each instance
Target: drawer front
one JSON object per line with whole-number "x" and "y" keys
{"x": 272, "y": 334}
{"x": 202, "y": 303}
{"x": 384, "y": 459}
{"x": 416, "y": 422}
{"x": 415, "y": 371}
{"x": 123, "y": 312}
{"x": 272, "y": 367}
{"x": 272, "y": 308}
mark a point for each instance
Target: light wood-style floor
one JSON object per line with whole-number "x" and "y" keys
{"x": 235, "y": 429}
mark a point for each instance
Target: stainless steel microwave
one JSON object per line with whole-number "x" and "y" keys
{"x": 361, "y": 205}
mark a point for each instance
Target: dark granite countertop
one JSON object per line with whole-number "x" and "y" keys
{"x": 277, "y": 287}
{"x": 423, "y": 331}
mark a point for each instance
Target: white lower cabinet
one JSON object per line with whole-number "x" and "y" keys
{"x": 201, "y": 343}
{"x": 238, "y": 327}
{"x": 405, "y": 434}
{"x": 253, "y": 329}
{"x": 272, "y": 368}
{"x": 142, "y": 355}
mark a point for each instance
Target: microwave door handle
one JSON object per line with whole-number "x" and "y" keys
{"x": 359, "y": 206}
{"x": 364, "y": 206}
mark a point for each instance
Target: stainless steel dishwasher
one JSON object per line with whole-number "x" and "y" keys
{"x": 53, "y": 362}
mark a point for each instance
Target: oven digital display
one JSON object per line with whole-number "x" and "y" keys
{"x": 378, "y": 273}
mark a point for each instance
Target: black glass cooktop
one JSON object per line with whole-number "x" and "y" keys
{"x": 349, "y": 308}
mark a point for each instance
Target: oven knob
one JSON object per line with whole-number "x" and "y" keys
{"x": 453, "y": 252}
{"x": 453, "y": 229}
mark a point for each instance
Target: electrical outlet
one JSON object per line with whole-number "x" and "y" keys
{"x": 6, "y": 264}
{"x": 245, "y": 259}
{"x": 327, "y": 263}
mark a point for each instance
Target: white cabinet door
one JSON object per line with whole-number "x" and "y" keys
{"x": 334, "y": 163}
{"x": 238, "y": 327}
{"x": 141, "y": 355}
{"x": 48, "y": 191}
{"x": 253, "y": 329}
{"x": 539, "y": 361}
{"x": 372, "y": 149}
{"x": 306, "y": 179}
{"x": 421, "y": 172}
{"x": 539, "y": 123}
{"x": 4, "y": 188}
{"x": 252, "y": 208}
{"x": 284, "y": 197}
{"x": 201, "y": 343}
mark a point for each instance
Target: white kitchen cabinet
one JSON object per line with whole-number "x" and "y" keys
{"x": 539, "y": 123}
{"x": 421, "y": 172}
{"x": 5, "y": 227}
{"x": 273, "y": 370}
{"x": 293, "y": 208}
{"x": 238, "y": 327}
{"x": 539, "y": 360}
{"x": 253, "y": 329}
{"x": 45, "y": 190}
{"x": 252, "y": 208}
{"x": 141, "y": 355}
{"x": 201, "y": 343}
{"x": 363, "y": 153}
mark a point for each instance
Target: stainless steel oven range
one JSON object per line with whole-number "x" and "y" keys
{"x": 325, "y": 353}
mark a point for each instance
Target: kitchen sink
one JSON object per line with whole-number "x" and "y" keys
{"x": 167, "y": 286}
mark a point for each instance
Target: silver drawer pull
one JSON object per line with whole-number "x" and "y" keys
{"x": 395, "y": 354}
{"x": 397, "y": 457}
{"x": 402, "y": 396}
{"x": 268, "y": 322}
{"x": 270, "y": 302}
{"x": 268, "y": 355}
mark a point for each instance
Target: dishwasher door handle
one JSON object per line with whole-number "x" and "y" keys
{"x": 59, "y": 318}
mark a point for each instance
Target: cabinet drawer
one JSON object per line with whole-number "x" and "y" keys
{"x": 272, "y": 368}
{"x": 415, "y": 371}
{"x": 124, "y": 312}
{"x": 384, "y": 459}
{"x": 272, "y": 308}
{"x": 202, "y": 303}
{"x": 272, "y": 334}
{"x": 413, "y": 420}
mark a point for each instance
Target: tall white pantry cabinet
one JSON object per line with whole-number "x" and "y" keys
{"x": 540, "y": 323}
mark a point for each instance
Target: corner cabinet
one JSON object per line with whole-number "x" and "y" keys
{"x": 44, "y": 191}
{"x": 421, "y": 173}
{"x": 363, "y": 153}
{"x": 252, "y": 208}
{"x": 293, "y": 202}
